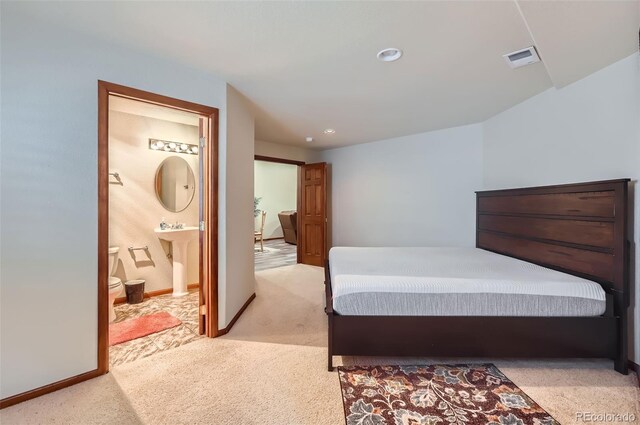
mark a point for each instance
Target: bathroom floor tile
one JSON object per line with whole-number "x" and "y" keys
{"x": 174, "y": 337}
{"x": 132, "y": 350}
{"x": 184, "y": 308}
{"x": 181, "y": 310}
{"x": 192, "y": 323}
{"x": 130, "y": 311}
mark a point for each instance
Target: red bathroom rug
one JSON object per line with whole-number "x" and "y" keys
{"x": 141, "y": 326}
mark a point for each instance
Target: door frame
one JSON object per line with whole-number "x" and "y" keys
{"x": 299, "y": 165}
{"x": 278, "y": 160}
{"x": 208, "y": 238}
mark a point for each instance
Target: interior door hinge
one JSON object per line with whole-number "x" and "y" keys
{"x": 203, "y": 309}
{"x": 203, "y": 142}
{"x": 202, "y": 226}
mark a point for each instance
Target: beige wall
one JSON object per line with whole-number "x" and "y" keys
{"x": 134, "y": 210}
{"x": 414, "y": 190}
{"x": 277, "y": 150}
{"x": 49, "y": 185}
{"x": 277, "y": 185}
{"x": 236, "y": 281}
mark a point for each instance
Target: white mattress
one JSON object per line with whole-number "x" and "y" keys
{"x": 454, "y": 281}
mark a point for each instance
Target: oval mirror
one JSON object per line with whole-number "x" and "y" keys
{"x": 175, "y": 184}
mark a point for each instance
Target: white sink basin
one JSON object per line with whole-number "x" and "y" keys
{"x": 174, "y": 235}
{"x": 179, "y": 239}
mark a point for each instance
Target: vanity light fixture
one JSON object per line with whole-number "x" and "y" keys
{"x": 168, "y": 146}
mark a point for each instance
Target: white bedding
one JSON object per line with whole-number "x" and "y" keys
{"x": 454, "y": 281}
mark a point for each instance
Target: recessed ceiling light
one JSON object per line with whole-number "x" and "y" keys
{"x": 309, "y": 139}
{"x": 389, "y": 55}
{"x": 329, "y": 131}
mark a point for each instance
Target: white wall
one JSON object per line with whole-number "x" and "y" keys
{"x": 409, "y": 191}
{"x": 277, "y": 185}
{"x": 48, "y": 290}
{"x": 277, "y": 150}
{"x": 236, "y": 262}
{"x": 589, "y": 130}
{"x": 134, "y": 209}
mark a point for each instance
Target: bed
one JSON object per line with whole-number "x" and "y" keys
{"x": 549, "y": 277}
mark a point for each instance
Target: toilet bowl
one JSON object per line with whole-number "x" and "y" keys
{"x": 115, "y": 284}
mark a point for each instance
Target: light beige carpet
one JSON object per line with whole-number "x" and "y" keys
{"x": 271, "y": 369}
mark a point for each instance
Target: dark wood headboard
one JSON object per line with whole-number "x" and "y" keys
{"x": 579, "y": 229}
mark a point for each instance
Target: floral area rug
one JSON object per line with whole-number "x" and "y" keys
{"x": 436, "y": 395}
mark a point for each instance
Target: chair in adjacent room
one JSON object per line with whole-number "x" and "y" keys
{"x": 259, "y": 236}
{"x": 288, "y": 221}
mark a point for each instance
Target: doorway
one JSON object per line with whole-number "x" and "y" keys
{"x": 290, "y": 209}
{"x": 182, "y": 186}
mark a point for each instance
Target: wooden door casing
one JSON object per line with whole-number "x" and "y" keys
{"x": 312, "y": 215}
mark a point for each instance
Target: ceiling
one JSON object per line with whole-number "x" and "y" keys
{"x": 307, "y": 66}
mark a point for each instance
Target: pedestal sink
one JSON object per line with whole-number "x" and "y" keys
{"x": 179, "y": 239}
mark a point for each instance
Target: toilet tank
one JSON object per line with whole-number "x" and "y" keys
{"x": 113, "y": 259}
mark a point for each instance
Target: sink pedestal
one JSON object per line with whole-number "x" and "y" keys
{"x": 180, "y": 268}
{"x": 179, "y": 239}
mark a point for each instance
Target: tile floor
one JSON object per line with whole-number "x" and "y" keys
{"x": 184, "y": 308}
{"x": 277, "y": 253}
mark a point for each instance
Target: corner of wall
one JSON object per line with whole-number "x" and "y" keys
{"x": 236, "y": 281}
{"x": 279, "y": 150}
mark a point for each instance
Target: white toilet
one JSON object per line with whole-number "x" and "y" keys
{"x": 115, "y": 284}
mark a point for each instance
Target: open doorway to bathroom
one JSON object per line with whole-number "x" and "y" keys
{"x": 157, "y": 238}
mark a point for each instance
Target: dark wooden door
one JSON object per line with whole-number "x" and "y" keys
{"x": 312, "y": 214}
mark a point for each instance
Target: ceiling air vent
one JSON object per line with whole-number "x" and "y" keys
{"x": 522, "y": 57}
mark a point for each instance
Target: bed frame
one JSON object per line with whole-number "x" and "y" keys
{"x": 580, "y": 229}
